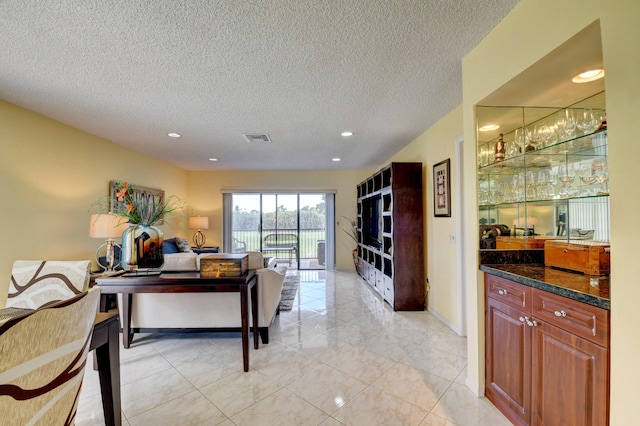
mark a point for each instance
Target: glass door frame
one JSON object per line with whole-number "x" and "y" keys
{"x": 329, "y": 198}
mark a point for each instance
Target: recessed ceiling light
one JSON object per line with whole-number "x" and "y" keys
{"x": 335, "y": 159}
{"x": 213, "y": 159}
{"x": 174, "y": 135}
{"x": 347, "y": 134}
{"x": 588, "y": 76}
{"x": 489, "y": 127}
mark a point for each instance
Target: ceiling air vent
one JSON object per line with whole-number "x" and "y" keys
{"x": 256, "y": 137}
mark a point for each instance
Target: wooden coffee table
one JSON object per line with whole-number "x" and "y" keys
{"x": 186, "y": 282}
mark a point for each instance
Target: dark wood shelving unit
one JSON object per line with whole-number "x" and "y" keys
{"x": 390, "y": 235}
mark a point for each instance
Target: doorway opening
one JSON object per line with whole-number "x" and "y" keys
{"x": 291, "y": 226}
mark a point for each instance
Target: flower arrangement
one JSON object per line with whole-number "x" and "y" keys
{"x": 138, "y": 206}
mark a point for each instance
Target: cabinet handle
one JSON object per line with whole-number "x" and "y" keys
{"x": 502, "y": 292}
{"x": 526, "y": 320}
{"x": 560, "y": 314}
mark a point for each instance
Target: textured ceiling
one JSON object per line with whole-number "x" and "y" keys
{"x": 131, "y": 71}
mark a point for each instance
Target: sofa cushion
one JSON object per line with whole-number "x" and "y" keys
{"x": 255, "y": 259}
{"x": 180, "y": 262}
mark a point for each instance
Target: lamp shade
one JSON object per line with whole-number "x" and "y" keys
{"x": 106, "y": 226}
{"x": 198, "y": 222}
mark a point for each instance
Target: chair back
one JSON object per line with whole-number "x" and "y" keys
{"x": 37, "y": 283}
{"x": 42, "y": 358}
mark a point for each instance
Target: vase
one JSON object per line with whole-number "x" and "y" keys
{"x": 142, "y": 247}
{"x": 354, "y": 253}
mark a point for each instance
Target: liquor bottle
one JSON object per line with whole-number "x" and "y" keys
{"x": 498, "y": 150}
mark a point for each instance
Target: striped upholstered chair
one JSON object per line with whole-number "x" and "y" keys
{"x": 37, "y": 283}
{"x": 42, "y": 358}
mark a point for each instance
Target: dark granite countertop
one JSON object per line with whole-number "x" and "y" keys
{"x": 583, "y": 288}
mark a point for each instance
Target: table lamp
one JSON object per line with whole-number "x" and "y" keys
{"x": 199, "y": 223}
{"x": 107, "y": 226}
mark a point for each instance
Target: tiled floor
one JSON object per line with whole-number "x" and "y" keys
{"x": 340, "y": 357}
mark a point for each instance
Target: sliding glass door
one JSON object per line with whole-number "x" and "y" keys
{"x": 312, "y": 231}
{"x": 291, "y": 226}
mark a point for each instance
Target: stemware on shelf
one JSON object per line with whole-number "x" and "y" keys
{"x": 565, "y": 124}
{"x": 600, "y": 171}
{"x": 585, "y": 120}
{"x": 545, "y": 184}
{"x": 566, "y": 176}
{"x": 587, "y": 177}
{"x": 532, "y": 141}
{"x": 530, "y": 190}
{"x": 542, "y": 135}
{"x": 511, "y": 149}
{"x": 520, "y": 138}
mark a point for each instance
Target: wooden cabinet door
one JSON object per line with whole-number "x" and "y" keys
{"x": 508, "y": 361}
{"x": 569, "y": 379}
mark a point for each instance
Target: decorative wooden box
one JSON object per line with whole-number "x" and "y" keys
{"x": 588, "y": 257}
{"x": 224, "y": 265}
{"x": 528, "y": 242}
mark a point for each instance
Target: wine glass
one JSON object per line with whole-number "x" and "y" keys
{"x": 600, "y": 171}
{"x": 542, "y": 134}
{"x": 532, "y": 139}
{"x": 518, "y": 185}
{"x": 545, "y": 184}
{"x": 511, "y": 149}
{"x": 566, "y": 176}
{"x": 587, "y": 177}
{"x": 565, "y": 124}
{"x": 585, "y": 120}
{"x": 520, "y": 138}
{"x": 571, "y": 122}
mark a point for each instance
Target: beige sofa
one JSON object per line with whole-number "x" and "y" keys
{"x": 152, "y": 312}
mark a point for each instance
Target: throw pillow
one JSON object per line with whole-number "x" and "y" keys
{"x": 169, "y": 246}
{"x": 183, "y": 245}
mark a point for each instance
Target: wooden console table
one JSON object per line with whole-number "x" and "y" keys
{"x": 105, "y": 342}
{"x": 186, "y": 282}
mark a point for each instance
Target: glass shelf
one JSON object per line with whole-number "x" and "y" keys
{"x": 559, "y": 186}
{"x": 587, "y": 145}
{"x": 546, "y": 200}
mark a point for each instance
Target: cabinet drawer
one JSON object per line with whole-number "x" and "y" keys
{"x": 508, "y": 292}
{"x": 583, "y": 320}
{"x": 388, "y": 289}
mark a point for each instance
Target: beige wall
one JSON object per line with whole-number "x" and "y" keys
{"x": 205, "y": 196}
{"x": 530, "y": 31}
{"x": 51, "y": 174}
{"x": 433, "y": 146}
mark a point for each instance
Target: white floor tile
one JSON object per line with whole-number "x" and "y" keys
{"x": 341, "y": 356}
{"x": 281, "y": 408}
{"x": 374, "y": 406}
{"x": 190, "y": 409}
{"x": 462, "y": 407}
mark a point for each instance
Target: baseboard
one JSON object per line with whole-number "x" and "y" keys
{"x": 446, "y": 322}
{"x": 474, "y": 388}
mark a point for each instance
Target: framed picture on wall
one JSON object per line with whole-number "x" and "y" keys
{"x": 442, "y": 189}
{"x": 139, "y": 194}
